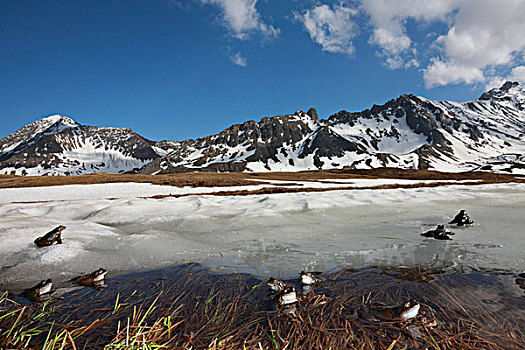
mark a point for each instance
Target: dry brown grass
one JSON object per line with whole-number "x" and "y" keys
{"x": 186, "y": 307}
{"x": 200, "y": 179}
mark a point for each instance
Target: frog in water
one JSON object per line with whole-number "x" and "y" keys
{"x": 288, "y": 296}
{"x": 309, "y": 278}
{"x": 403, "y": 312}
{"x": 94, "y": 280}
{"x": 51, "y": 237}
{"x": 440, "y": 232}
{"x": 462, "y": 219}
{"x": 399, "y": 313}
{"x": 40, "y": 292}
{"x": 275, "y": 285}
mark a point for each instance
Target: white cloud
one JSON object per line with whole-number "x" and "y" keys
{"x": 518, "y": 74}
{"x": 388, "y": 19}
{"x": 332, "y": 28}
{"x": 238, "y": 60}
{"x": 242, "y": 18}
{"x": 485, "y": 36}
{"x": 441, "y": 73}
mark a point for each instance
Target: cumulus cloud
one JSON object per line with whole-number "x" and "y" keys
{"x": 242, "y": 18}
{"x": 441, "y": 73}
{"x": 238, "y": 60}
{"x": 486, "y": 36}
{"x": 518, "y": 74}
{"x": 330, "y": 27}
{"x": 479, "y": 42}
{"x": 483, "y": 37}
{"x": 388, "y": 19}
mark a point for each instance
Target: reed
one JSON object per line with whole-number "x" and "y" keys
{"x": 186, "y": 307}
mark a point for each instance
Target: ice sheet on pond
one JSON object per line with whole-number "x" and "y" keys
{"x": 276, "y": 234}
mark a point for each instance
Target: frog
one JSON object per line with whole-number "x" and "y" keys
{"x": 462, "y": 219}
{"x": 397, "y": 313}
{"x": 309, "y": 278}
{"x": 402, "y": 312}
{"x": 94, "y": 280}
{"x": 275, "y": 285}
{"x": 440, "y": 232}
{"x": 40, "y": 292}
{"x": 50, "y": 238}
{"x": 288, "y": 296}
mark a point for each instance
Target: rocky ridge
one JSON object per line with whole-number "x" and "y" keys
{"x": 408, "y": 132}
{"x": 57, "y": 145}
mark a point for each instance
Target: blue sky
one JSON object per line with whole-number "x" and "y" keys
{"x": 181, "y": 69}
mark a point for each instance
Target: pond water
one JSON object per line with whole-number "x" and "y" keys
{"x": 468, "y": 310}
{"x": 277, "y": 235}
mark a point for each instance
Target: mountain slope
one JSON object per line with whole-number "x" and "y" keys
{"x": 408, "y": 132}
{"x": 58, "y": 145}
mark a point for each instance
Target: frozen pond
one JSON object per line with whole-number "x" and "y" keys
{"x": 278, "y": 234}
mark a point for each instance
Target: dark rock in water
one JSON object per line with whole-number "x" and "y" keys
{"x": 440, "y": 232}
{"x": 462, "y": 219}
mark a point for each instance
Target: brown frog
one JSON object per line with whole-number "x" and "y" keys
{"x": 275, "y": 285}
{"x": 94, "y": 280}
{"x": 40, "y": 292}
{"x": 403, "y": 312}
{"x": 309, "y": 278}
{"x": 440, "y": 232}
{"x": 51, "y": 237}
{"x": 462, "y": 219}
{"x": 288, "y": 296}
{"x": 399, "y": 313}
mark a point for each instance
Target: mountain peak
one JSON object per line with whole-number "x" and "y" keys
{"x": 312, "y": 112}
{"x": 57, "y": 118}
{"x": 407, "y": 132}
{"x": 507, "y": 91}
{"x": 509, "y": 84}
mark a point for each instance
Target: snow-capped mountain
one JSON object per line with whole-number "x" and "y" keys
{"x": 408, "y": 132}
{"x": 58, "y": 145}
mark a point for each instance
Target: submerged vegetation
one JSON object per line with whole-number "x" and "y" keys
{"x": 187, "y": 307}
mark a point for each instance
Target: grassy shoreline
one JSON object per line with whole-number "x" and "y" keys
{"x": 186, "y": 306}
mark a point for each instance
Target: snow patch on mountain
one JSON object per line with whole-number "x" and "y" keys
{"x": 57, "y": 145}
{"x": 408, "y": 132}
{"x": 486, "y": 134}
